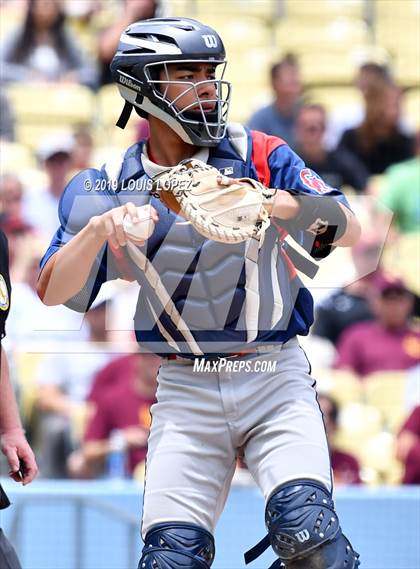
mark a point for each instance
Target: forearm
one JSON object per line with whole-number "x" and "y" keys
{"x": 9, "y": 413}
{"x": 67, "y": 271}
{"x": 299, "y": 207}
{"x": 95, "y": 451}
{"x": 353, "y": 230}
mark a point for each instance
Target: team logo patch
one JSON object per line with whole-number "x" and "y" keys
{"x": 313, "y": 181}
{"x": 4, "y": 294}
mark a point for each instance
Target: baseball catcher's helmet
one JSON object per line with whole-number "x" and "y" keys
{"x": 145, "y": 49}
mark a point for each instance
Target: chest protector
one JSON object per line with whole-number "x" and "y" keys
{"x": 199, "y": 296}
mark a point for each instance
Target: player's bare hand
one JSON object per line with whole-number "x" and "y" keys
{"x": 226, "y": 181}
{"x": 19, "y": 455}
{"x": 109, "y": 225}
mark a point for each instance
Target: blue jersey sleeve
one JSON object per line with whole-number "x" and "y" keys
{"x": 82, "y": 199}
{"x": 288, "y": 171}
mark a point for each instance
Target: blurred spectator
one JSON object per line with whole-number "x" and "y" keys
{"x": 389, "y": 342}
{"x": 18, "y": 234}
{"x": 43, "y": 49}
{"x": 81, "y": 155}
{"x": 30, "y": 321}
{"x": 64, "y": 380}
{"x": 7, "y": 118}
{"x": 345, "y": 117}
{"x": 408, "y": 447}
{"x": 41, "y": 205}
{"x": 278, "y": 118}
{"x": 350, "y": 305}
{"x": 121, "y": 397}
{"x": 346, "y": 469}
{"x": 337, "y": 167}
{"x": 11, "y": 199}
{"x": 379, "y": 141}
{"x": 131, "y": 11}
{"x": 401, "y": 192}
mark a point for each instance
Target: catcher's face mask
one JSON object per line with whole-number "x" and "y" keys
{"x": 194, "y": 105}
{"x": 194, "y": 93}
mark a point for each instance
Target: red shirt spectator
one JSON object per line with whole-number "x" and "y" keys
{"x": 121, "y": 397}
{"x": 345, "y": 468}
{"x": 389, "y": 342}
{"x": 408, "y": 448}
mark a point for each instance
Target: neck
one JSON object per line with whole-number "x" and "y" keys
{"x": 56, "y": 187}
{"x": 165, "y": 146}
{"x": 285, "y": 105}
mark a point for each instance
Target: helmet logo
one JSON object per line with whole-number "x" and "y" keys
{"x": 210, "y": 40}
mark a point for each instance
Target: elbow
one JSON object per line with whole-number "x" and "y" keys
{"x": 44, "y": 290}
{"x": 41, "y": 289}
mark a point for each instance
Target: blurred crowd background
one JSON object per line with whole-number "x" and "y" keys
{"x": 339, "y": 80}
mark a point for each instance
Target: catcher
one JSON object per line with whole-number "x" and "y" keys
{"x": 217, "y": 285}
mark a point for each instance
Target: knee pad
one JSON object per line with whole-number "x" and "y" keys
{"x": 177, "y": 545}
{"x": 304, "y": 531}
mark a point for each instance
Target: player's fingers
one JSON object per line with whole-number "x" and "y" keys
{"x": 225, "y": 181}
{"x": 154, "y": 214}
{"x": 131, "y": 209}
{"x": 110, "y": 232}
{"x": 12, "y": 459}
{"x": 30, "y": 469}
{"x": 117, "y": 220}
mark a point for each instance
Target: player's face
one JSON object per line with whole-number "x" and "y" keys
{"x": 190, "y": 73}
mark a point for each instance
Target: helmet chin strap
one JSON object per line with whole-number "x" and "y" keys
{"x": 125, "y": 115}
{"x": 126, "y": 112}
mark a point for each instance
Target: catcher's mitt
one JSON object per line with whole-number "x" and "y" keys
{"x": 225, "y": 213}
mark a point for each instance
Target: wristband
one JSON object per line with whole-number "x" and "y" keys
{"x": 322, "y": 220}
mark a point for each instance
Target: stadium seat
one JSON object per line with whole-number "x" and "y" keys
{"x": 48, "y": 107}
{"x": 358, "y": 422}
{"x": 407, "y": 68}
{"x": 378, "y": 462}
{"x": 338, "y": 35}
{"x": 14, "y": 157}
{"x": 333, "y": 97}
{"x": 398, "y": 256}
{"x": 11, "y": 18}
{"x": 392, "y": 11}
{"x": 412, "y": 107}
{"x": 240, "y": 32}
{"x": 344, "y": 386}
{"x": 386, "y": 391}
{"x": 326, "y": 9}
{"x": 109, "y": 106}
{"x": 204, "y": 10}
{"x": 55, "y": 103}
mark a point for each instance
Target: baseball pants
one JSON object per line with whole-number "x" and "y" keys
{"x": 202, "y": 418}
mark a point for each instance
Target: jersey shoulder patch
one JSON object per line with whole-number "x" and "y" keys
{"x": 314, "y": 182}
{"x": 262, "y": 146}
